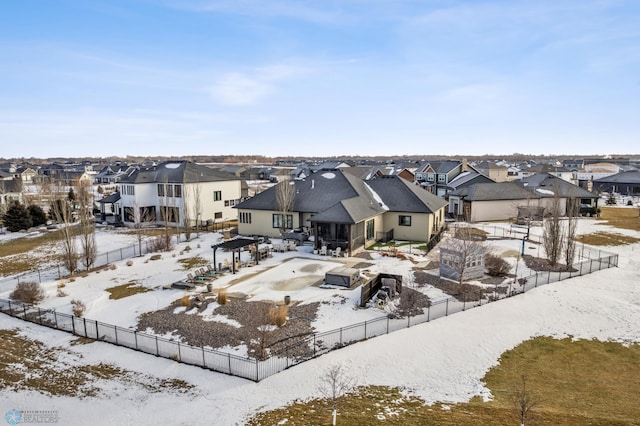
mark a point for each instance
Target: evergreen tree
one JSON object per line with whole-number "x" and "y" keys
{"x": 38, "y": 216}
{"x": 17, "y": 218}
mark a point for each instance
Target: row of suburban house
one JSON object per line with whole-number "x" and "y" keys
{"x": 339, "y": 205}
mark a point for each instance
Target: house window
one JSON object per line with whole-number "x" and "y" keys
{"x": 128, "y": 214}
{"x": 217, "y": 195}
{"x": 178, "y": 190}
{"x": 226, "y": 203}
{"x": 169, "y": 214}
{"x": 169, "y": 190}
{"x": 245, "y": 217}
{"x": 370, "y": 231}
{"x": 282, "y": 221}
{"x": 147, "y": 214}
{"x": 430, "y": 177}
{"x": 442, "y": 178}
{"x": 404, "y": 220}
{"x": 128, "y": 190}
{"x": 160, "y": 190}
{"x": 217, "y": 215}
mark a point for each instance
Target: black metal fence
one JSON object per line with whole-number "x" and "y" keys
{"x": 59, "y": 271}
{"x": 312, "y": 346}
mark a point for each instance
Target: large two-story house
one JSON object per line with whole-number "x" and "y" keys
{"x": 339, "y": 209}
{"x": 178, "y": 192}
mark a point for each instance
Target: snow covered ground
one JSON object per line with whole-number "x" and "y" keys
{"x": 443, "y": 360}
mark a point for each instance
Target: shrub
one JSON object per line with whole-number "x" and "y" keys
{"x": 78, "y": 307}
{"x": 222, "y": 296}
{"x": 185, "y": 301}
{"x": 61, "y": 293}
{"x": 160, "y": 243}
{"x": 28, "y": 292}
{"x": 129, "y": 262}
{"x": 113, "y": 267}
{"x": 495, "y": 265}
{"x": 278, "y": 315}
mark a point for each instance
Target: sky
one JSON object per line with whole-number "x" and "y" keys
{"x": 319, "y": 78}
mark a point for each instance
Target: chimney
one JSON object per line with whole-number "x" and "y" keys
{"x": 464, "y": 165}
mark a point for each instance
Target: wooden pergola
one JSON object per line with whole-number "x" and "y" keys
{"x": 234, "y": 245}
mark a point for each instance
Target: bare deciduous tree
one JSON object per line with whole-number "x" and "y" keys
{"x": 87, "y": 225}
{"x": 461, "y": 253}
{"x": 552, "y": 237}
{"x": 62, "y": 213}
{"x": 285, "y": 197}
{"x": 523, "y": 401}
{"x": 334, "y": 383}
{"x": 573, "y": 209}
{"x": 141, "y": 216}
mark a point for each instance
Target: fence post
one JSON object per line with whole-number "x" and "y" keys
{"x": 121, "y": 253}
{"x": 97, "y": 332}
{"x": 73, "y": 324}
{"x": 340, "y": 335}
{"x": 314, "y": 342}
{"x": 135, "y": 338}
{"x": 408, "y": 320}
{"x": 365, "y": 330}
{"x": 115, "y": 331}
{"x": 257, "y": 373}
{"x": 446, "y": 309}
{"x": 10, "y": 308}
{"x": 387, "y": 324}
{"x": 157, "y": 349}
{"x": 84, "y": 320}
{"x": 429, "y": 312}
{"x": 107, "y": 258}
{"x": 55, "y": 318}
{"x": 40, "y": 315}
{"x": 204, "y": 362}
{"x": 39, "y": 277}
{"x": 229, "y": 358}
{"x": 24, "y": 310}
{"x": 179, "y": 353}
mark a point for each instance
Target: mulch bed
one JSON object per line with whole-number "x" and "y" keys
{"x": 194, "y": 331}
{"x": 541, "y": 264}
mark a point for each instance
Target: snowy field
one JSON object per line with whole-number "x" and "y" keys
{"x": 443, "y": 360}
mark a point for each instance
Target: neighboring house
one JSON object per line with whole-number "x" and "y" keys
{"x": 10, "y": 192}
{"x": 500, "y": 201}
{"x": 465, "y": 179}
{"x": 435, "y": 176}
{"x": 624, "y": 183}
{"x": 26, "y": 174}
{"x": 177, "y": 192}
{"x": 488, "y": 201}
{"x": 496, "y": 172}
{"x": 342, "y": 210}
{"x": 111, "y": 174}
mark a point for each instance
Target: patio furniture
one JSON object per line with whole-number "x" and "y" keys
{"x": 337, "y": 252}
{"x": 323, "y": 250}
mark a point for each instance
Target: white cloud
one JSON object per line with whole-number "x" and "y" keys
{"x": 236, "y": 88}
